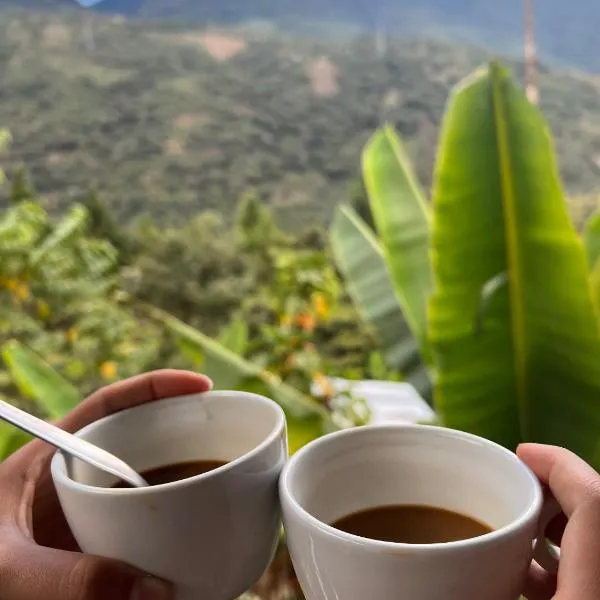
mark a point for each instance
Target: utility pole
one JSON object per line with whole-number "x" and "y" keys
{"x": 531, "y": 83}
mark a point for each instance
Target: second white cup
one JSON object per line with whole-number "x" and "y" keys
{"x": 368, "y": 467}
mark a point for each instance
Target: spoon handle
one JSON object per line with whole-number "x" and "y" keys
{"x": 71, "y": 444}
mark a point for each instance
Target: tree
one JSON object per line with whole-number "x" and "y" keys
{"x": 21, "y": 189}
{"x": 196, "y": 272}
{"x": 104, "y": 225}
{"x": 60, "y": 296}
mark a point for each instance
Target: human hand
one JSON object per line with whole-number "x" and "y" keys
{"x": 576, "y": 487}
{"x": 39, "y": 558}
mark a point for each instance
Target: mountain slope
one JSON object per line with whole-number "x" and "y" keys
{"x": 567, "y": 31}
{"x": 40, "y": 4}
{"x": 172, "y": 120}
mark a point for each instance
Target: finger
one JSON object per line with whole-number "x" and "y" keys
{"x": 540, "y": 585}
{"x": 130, "y": 392}
{"x": 33, "y": 483}
{"x": 30, "y": 572}
{"x": 571, "y": 480}
{"x": 579, "y": 573}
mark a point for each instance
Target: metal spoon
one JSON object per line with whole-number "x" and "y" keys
{"x": 71, "y": 444}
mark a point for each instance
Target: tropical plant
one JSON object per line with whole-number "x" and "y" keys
{"x": 60, "y": 298}
{"x": 60, "y": 295}
{"x": 493, "y": 281}
{"x": 280, "y": 358}
{"x": 37, "y": 381}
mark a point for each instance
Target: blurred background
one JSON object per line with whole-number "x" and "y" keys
{"x": 182, "y": 187}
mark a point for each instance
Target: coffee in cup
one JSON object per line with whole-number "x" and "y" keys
{"x": 411, "y": 524}
{"x": 175, "y": 472}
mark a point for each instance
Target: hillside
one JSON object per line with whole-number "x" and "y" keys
{"x": 171, "y": 120}
{"x": 567, "y": 31}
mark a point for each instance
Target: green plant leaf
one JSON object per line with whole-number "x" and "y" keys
{"x": 235, "y": 335}
{"x": 70, "y": 224}
{"x": 37, "y": 380}
{"x": 402, "y": 218}
{"x": 533, "y": 374}
{"x": 191, "y": 352}
{"x": 11, "y": 439}
{"x": 233, "y": 370}
{"x": 488, "y": 293}
{"x": 360, "y": 259}
{"x": 591, "y": 237}
{"x": 300, "y": 430}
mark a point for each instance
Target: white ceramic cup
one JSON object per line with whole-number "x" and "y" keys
{"x": 212, "y": 535}
{"x": 356, "y": 469}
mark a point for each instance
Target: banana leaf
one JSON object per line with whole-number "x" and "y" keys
{"x": 591, "y": 236}
{"x": 37, "y": 380}
{"x": 402, "y": 218}
{"x": 533, "y": 371}
{"x": 359, "y": 257}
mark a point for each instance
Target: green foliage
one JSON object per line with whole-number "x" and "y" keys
{"x": 402, "y": 219}
{"x": 11, "y": 439}
{"x": 38, "y": 381}
{"x": 196, "y": 272}
{"x": 529, "y": 372}
{"x": 306, "y": 418}
{"x": 59, "y": 295}
{"x": 360, "y": 258}
{"x": 21, "y": 189}
{"x": 68, "y": 326}
{"x": 592, "y": 239}
{"x": 532, "y": 372}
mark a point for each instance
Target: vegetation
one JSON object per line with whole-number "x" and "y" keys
{"x": 512, "y": 341}
{"x": 77, "y": 313}
{"x": 200, "y": 161}
{"x": 169, "y": 120}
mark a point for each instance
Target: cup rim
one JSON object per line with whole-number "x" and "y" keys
{"x": 58, "y": 463}
{"x": 532, "y": 512}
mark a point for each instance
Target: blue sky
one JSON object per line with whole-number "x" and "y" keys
{"x": 88, "y": 2}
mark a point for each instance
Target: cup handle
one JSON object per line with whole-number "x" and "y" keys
{"x": 546, "y": 554}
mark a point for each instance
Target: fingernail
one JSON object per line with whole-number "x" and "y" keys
{"x": 150, "y": 588}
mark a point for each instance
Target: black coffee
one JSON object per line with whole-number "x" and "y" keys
{"x": 411, "y": 524}
{"x": 176, "y": 472}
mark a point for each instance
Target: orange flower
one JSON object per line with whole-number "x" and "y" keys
{"x": 306, "y": 321}
{"x": 108, "y": 369}
{"x": 320, "y": 304}
{"x": 324, "y": 384}
{"x": 9, "y": 283}
{"x": 22, "y": 291}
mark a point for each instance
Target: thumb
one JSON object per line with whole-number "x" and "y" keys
{"x": 32, "y": 572}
